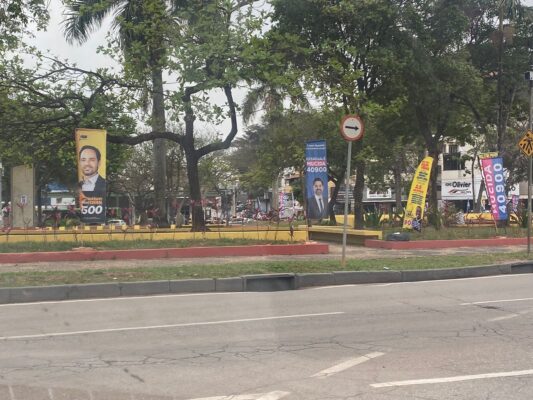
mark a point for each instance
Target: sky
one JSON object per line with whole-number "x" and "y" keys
{"x": 53, "y": 39}
{"x": 84, "y": 55}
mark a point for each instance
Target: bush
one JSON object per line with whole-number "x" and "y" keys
{"x": 373, "y": 219}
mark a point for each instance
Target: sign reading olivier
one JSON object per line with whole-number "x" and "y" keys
{"x": 316, "y": 171}
{"x": 495, "y": 184}
{"x": 414, "y": 212}
{"x": 91, "y": 150}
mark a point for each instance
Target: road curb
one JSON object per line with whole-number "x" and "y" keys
{"x": 443, "y": 244}
{"x": 297, "y": 249}
{"x": 256, "y": 283}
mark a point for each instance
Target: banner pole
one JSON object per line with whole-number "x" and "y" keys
{"x": 346, "y": 200}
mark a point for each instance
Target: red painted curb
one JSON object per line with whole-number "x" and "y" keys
{"x": 147, "y": 254}
{"x": 443, "y": 244}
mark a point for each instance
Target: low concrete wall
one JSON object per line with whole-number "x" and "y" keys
{"x": 334, "y": 234}
{"x": 83, "y": 235}
{"x": 443, "y": 244}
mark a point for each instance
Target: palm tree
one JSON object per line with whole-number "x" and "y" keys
{"x": 142, "y": 27}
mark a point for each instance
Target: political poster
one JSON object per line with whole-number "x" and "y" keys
{"x": 495, "y": 186}
{"x": 316, "y": 171}
{"x": 414, "y": 211}
{"x": 92, "y": 186}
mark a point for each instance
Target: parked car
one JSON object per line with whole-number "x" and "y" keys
{"x": 116, "y": 222}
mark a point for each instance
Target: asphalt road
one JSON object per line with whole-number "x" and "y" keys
{"x": 424, "y": 340}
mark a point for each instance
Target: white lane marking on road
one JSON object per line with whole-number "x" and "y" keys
{"x": 139, "y": 328}
{"x": 496, "y": 301}
{"x": 333, "y": 286}
{"x": 273, "y": 395}
{"x": 453, "y": 379}
{"x": 503, "y": 318}
{"x": 412, "y": 283}
{"x": 156, "y": 296}
{"x": 445, "y": 280}
{"x": 346, "y": 364}
{"x": 257, "y": 396}
{"x": 510, "y": 316}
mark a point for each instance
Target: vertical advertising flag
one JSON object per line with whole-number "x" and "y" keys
{"x": 91, "y": 156}
{"x": 316, "y": 172}
{"x": 414, "y": 212}
{"x": 495, "y": 186}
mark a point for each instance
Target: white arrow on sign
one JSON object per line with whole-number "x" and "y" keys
{"x": 352, "y": 128}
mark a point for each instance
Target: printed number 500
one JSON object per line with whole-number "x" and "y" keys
{"x": 91, "y": 210}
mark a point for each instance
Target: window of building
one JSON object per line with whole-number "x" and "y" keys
{"x": 453, "y": 149}
{"x": 453, "y": 162}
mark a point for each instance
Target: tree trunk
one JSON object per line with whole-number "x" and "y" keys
{"x": 433, "y": 201}
{"x": 398, "y": 188}
{"x": 359, "y": 222}
{"x": 334, "y": 195}
{"x": 39, "y": 196}
{"x": 160, "y": 145}
{"x": 197, "y": 212}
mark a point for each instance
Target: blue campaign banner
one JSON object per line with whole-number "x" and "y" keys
{"x": 495, "y": 186}
{"x": 316, "y": 172}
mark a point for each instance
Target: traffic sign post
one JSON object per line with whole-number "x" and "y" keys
{"x": 352, "y": 129}
{"x": 526, "y": 145}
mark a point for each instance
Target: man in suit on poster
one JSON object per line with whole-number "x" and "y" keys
{"x": 317, "y": 205}
{"x": 92, "y": 184}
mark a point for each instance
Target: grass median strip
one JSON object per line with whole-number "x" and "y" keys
{"x": 126, "y": 245}
{"x": 232, "y": 269}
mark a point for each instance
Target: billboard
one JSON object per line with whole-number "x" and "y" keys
{"x": 316, "y": 172}
{"x": 414, "y": 211}
{"x": 92, "y": 186}
{"x": 495, "y": 186}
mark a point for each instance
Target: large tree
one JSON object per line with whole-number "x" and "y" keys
{"x": 343, "y": 48}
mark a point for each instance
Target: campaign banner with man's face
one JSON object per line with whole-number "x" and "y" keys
{"x": 495, "y": 186}
{"x": 91, "y": 155}
{"x": 316, "y": 172}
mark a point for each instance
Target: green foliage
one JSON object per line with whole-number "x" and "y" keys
{"x": 16, "y": 15}
{"x": 373, "y": 219}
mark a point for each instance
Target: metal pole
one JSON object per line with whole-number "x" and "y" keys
{"x": 346, "y": 200}
{"x": 529, "y": 207}
{"x": 530, "y": 167}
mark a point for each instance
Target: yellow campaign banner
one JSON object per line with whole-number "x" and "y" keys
{"x": 414, "y": 212}
{"x": 92, "y": 186}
